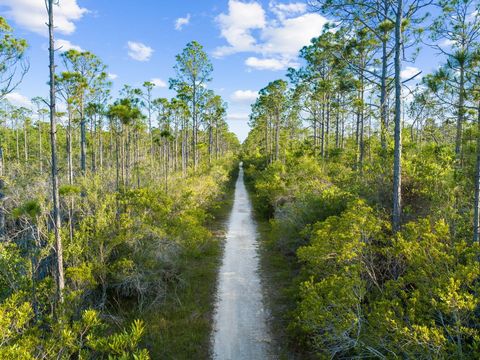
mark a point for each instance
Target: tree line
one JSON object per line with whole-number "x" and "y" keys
{"x": 103, "y": 202}
{"x": 368, "y": 170}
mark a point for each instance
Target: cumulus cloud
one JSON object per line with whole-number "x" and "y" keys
{"x": 269, "y": 63}
{"x": 289, "y": 36}
{"x": 236, "y": 26}
{"x": 278, "y": 38}
{"x": 139, "y": 51}
{"x": 237, "y": 116}
{"x": 408, "y": 72}
{"x": 31, "y": 15}
{"x": 158, "y": 83}
{"x": 17, "y": 99}
{"x": 181, "y": 22}
{"x": 282, "y": 10}
{"x": 446, "y": 42}
{"x": 247, "y": 96}
{"x": 65, "y": 45}
{"x": 112, "y": 76}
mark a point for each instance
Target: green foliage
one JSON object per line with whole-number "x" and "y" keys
{"x": 338, "y": 262}
{"x": 30, "y": 209}
{"x": 361, "y": 290}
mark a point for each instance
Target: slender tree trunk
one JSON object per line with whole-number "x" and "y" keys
{"x": 383, "y": 86}
{"x": 194, "y": 133}
{"x": 17, "y": 143}
{"x": 476, "y": 209}
{"x": 127, "y": 157}
{"x": 362, "y": 123}
{"x": 327, "y": 126}
{"x": 137, "y": 161}
{"x": 210, "y": 143}
{"x": 53, "y": 139}
{"x": 266, "y": 141}
{"x": 2, "y": 187}
{"x": 397, "y": 157}
{"x": 315, "y": 133}
{"x": 117, "y": 163}
{"x": 40, "y": 147}
{"x": 337, "y": 125}
{"x": 322, "y": 146}
{"x": 25, "y": 140}
{"x": 83, "y": 140}
{"x": 69, "y": 147}
{"x": 216, "y": 139}
{"x": 93, "y": 137}
{"x": 277, "y": 137}
{"x": 460, "y": 116}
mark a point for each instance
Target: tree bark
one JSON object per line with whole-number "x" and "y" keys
{"x": 83, "y": 140}
{"x": 476, "y": 209}
{"x": 53, "y": 139}
{"x": 397, "y": 157}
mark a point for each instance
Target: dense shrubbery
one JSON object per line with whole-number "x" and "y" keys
{"x": 128, "y": 250}
{"x": 361, "y": 290}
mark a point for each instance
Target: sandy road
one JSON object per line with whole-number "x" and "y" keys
{"x": 241, "y": 330}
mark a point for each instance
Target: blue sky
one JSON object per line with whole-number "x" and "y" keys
{"x": 250, "y": 42}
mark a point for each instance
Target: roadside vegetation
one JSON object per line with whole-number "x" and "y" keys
{"x": 109, "y": 238}
{"x": 372, "y": 242}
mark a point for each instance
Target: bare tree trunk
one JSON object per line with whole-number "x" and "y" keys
{"x": 25, "y": 140}
{"x": 83, "y": 140}
{"x": 40, "y": 146}
{"x": 210, "y": 143}
{"x": 17, "y": 141}
{"x": 397, "y": 157}
{"x": 476, "y": 209}
{"x": 362, "y": 123}
{"x": 322, "y": 145}
{"x": 337, "y": 125}
{"x": 53, "y": 139}
{"x": 315, "y": 133}
{"x": 327, "y": 126}
{"x": 383, "y": 87}
{"x": 69, "y": 147}
{"x": 460, "y": 115}
{"x": 93, "y": 136}
{"x": 100, "y": 147}
{"x": 194, "y": 133}
{"x": 277, "y": 137}
{"x": 216, "y": 139}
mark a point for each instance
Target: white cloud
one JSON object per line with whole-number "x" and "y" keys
{"x": 247, "y": 96}
{"x": 288, "y": 37}
{"x": 181, "y": 22}
{"x": 18, "y": 99}
{"x": 237, "y": 117}
{"x": 31, "y": 15}
{"x": 158, "y": 83}
{"x": 268, "y": 63}
{"x": 139, "y": 51}
{"x": 446, "y": 42}
{"x": 286, "y": 10}
{"x": 112, "y": 76}
{"x": 408, "y": 72}
{"x": 277, "y": 39}
{"x": 236, "y": 26}
{"x": 65, "y": 45}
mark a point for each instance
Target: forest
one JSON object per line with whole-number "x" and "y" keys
{"x": 123, "y": 217}
{"x": 105, "y": 209}
{"x": 370, "y": 183}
